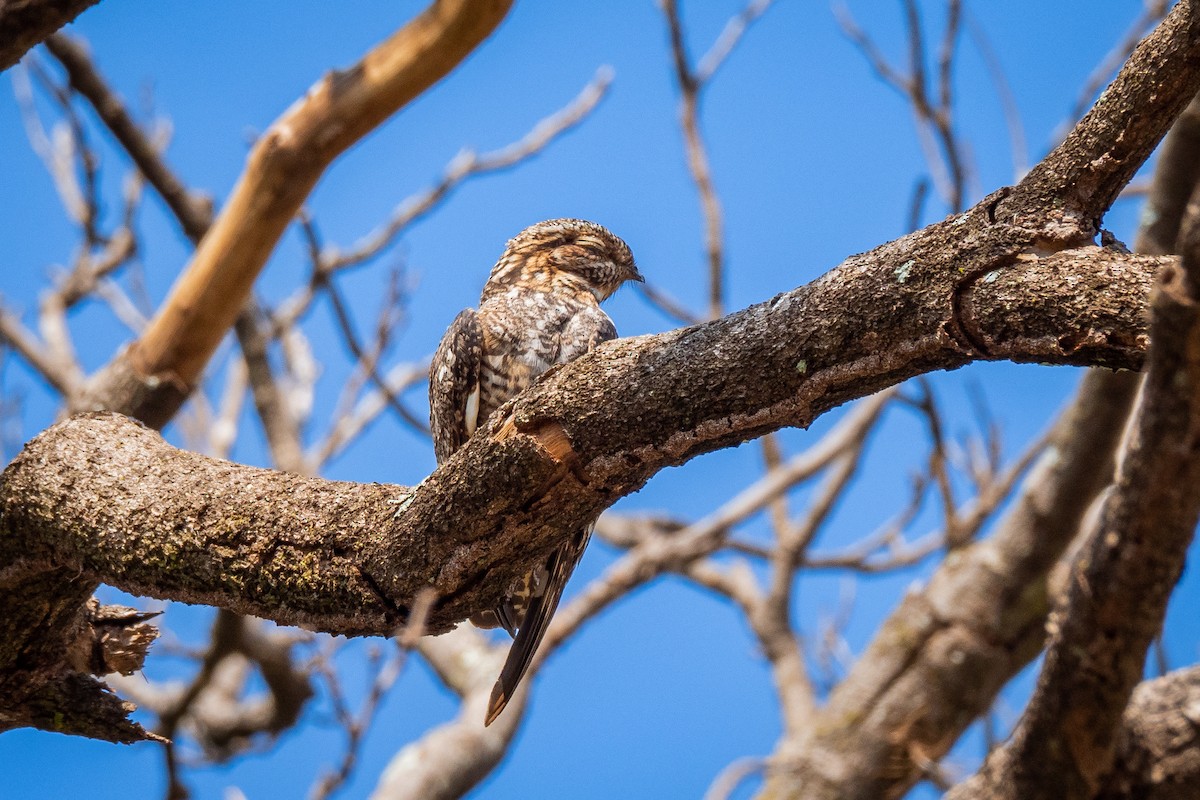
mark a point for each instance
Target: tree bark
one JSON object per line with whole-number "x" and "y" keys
{"x": 25, "y": 23}
{"x": 1158, "y": 745}
{"x": 99, "y": 498}
{"x": 1015, "y": 277}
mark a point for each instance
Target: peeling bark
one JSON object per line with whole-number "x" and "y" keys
{"x": 98, "y": 499}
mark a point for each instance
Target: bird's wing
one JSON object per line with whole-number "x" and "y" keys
{"x": 454, "y": 385}
{"x": 542, "y": 605}
{"x": 584, "y": 332}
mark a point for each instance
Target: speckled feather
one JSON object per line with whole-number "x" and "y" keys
{"x": 539, "y": 307}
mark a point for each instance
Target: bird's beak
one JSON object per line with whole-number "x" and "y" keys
{"x": 637, "y": 276}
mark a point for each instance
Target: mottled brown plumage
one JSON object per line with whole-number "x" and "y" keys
{"x": 539, "y": 307}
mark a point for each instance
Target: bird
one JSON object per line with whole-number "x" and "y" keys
{"x": 540, "y": 307}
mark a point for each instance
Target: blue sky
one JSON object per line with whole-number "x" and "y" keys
{"x": 814, "y": 160}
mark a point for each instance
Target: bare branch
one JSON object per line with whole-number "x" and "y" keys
{"x": 1151, "y": 15}
{"x": 467, "y": 164}
{"x": 451, "y": 759}
{"x": 728, "y": 39}
{"x": 63, "y": 377}
{"x": 156, "y": 373}
{"x": 1008, "y": 101}
{"x": 1122, "y": 578}
{"x": 347, "y": 427}
{"x": 654, "y": 556}
{"x": 690, "y": 85}
{"x": 668, "y": 305}
{"x": 356, "y": 725}
{"x": 727, "y": 782}
{"x": 194, "y": 213}
{"x": 944, "y": 154}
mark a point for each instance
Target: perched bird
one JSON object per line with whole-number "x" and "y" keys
{"x": 539, "y": 307}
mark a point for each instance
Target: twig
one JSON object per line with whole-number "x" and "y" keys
{"x": 690, "y": 85}
{"x": 346, "y": 429}
{"x": 193, "y": 212}
{"x": 732, "y": 776}
{"x": 468, "y": 164}
{"x": 366, "y": 360}
{"x": 356, "y": 725}
{"x": 728, "y": 39}
{"x": 68, "y": 145}
{"x": 1151, "y": 15}
{"x": 61, "y": 377}
{"x": 668, "y": 305}
{"x": 944, "y": 153}
{"x": 654, "y": 556}
{"x": 1017, "y": 142}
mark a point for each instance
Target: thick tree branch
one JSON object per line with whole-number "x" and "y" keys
{"x": 24, "y": 23}
{"x": 1158, "y": 746}
{"x": 95, "y": 499}
{"x": 1100, "y": 155}
{"x": 1175, "y": 177}
{"x": 98, "y": 498}
{"x": 1122, "y": 578}
{"x": 939, "y": 659}
{"x": 909, "y": 703}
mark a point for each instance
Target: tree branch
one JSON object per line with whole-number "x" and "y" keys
{"x": 1158, "y": 745}
{"x": 98, "y": 499}
{"x": 1122, "y": 578}
{"x": 193, "y": 212}
{"x": 24, "y": 23}
{"x": 152, "y": 377}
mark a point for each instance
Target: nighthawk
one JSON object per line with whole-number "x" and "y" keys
{"x": 539, "y": 307}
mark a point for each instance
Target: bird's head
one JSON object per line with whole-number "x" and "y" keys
{"x": 564, "y": 253}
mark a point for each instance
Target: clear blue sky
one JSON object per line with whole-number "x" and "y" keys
{"x": 814, "y": 160}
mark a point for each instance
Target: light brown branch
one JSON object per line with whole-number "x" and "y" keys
{"x": 449, "y": 760}
{"x": 468, "y": 164}
{"x": 697, "y": 158}
{"x": 60, "y": 376}
{"x": 154, "y": 376}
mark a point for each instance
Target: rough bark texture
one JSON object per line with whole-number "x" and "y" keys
{"x": 100, "y": 498}
{"x": 24, "y": 23}
{"x": 905, "y": 698}
{"x": 941, "y": 657}
{"x": 97, "y": 499}
{"x": 1121, "y": 580}
{"x": 1158, "y": 746}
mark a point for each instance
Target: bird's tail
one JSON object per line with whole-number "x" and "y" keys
{"x": 541, "y": 610}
